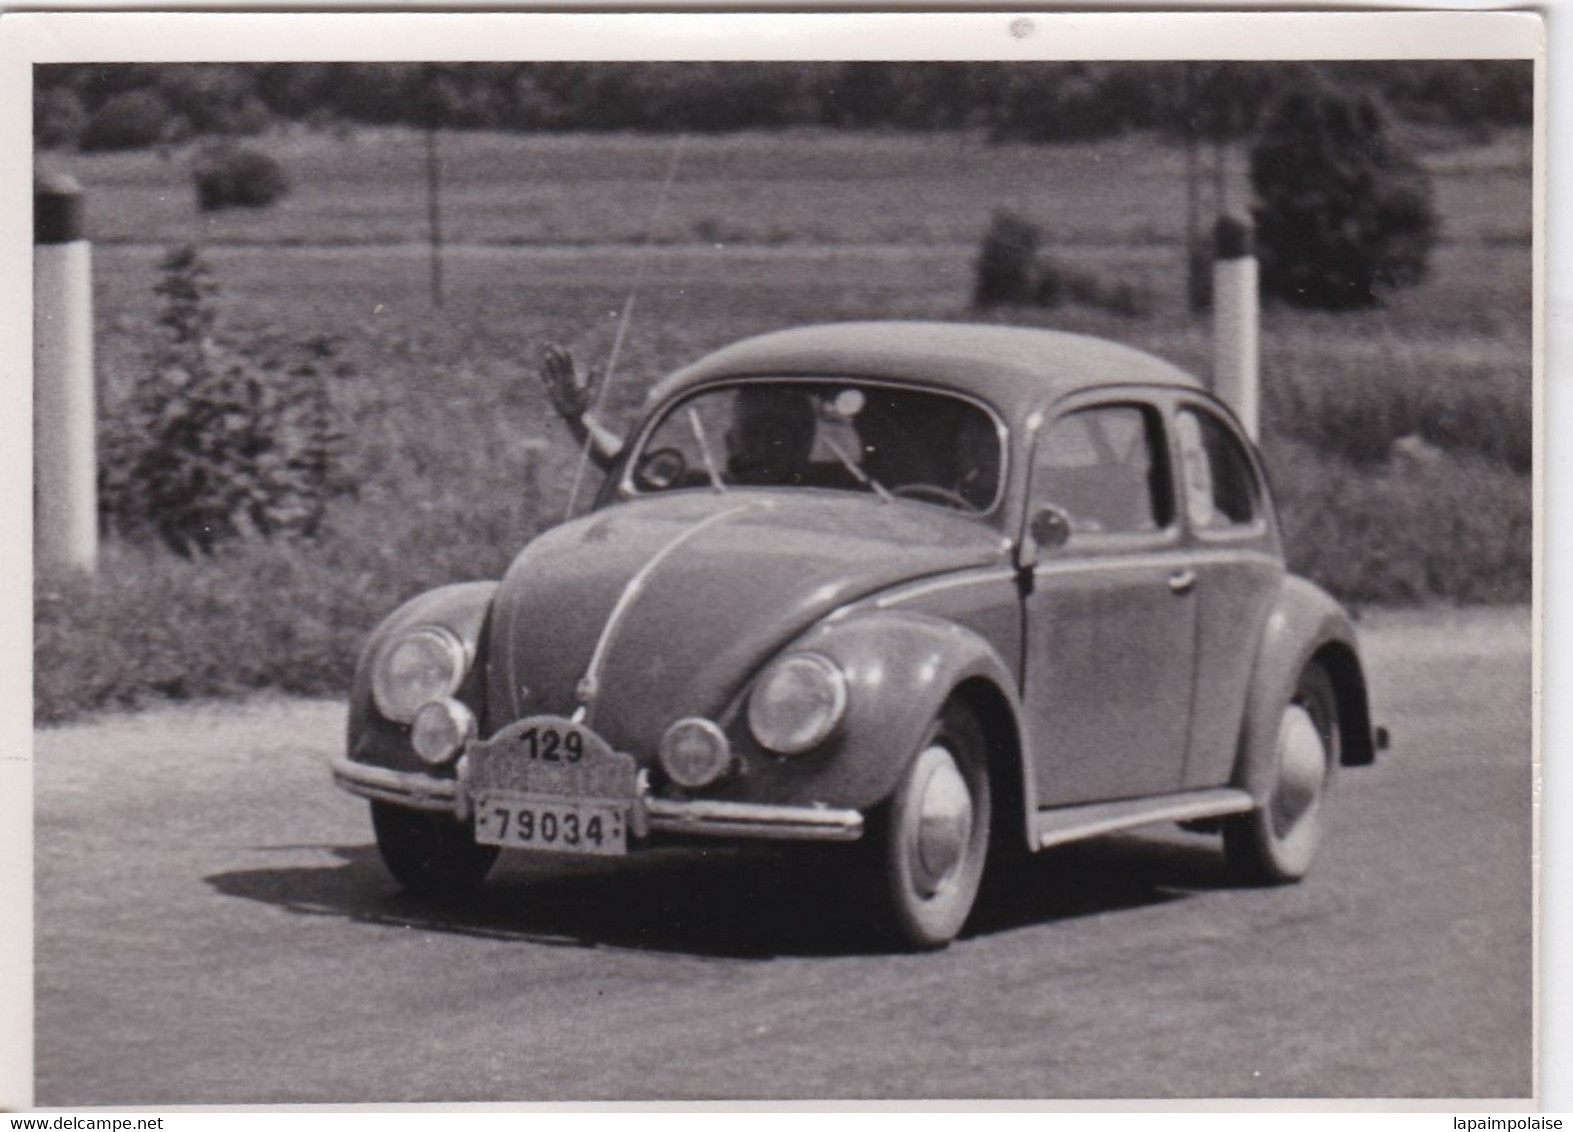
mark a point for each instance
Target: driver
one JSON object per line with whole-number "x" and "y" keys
{"x": 907, "y": 443}
{"x": 768, "y": 442}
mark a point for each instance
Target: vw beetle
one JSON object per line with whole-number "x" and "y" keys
{"x": 946, "y": 593}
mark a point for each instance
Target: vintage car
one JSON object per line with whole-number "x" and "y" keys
{"x": 946, "y": 593}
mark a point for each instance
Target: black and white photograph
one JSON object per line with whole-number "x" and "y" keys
{"x": 923, "y": 557}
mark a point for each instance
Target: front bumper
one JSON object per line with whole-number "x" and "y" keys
{"x": 694, "y": 818}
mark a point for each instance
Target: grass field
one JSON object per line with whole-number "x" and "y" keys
{"x": 760, "y": 232}
{"x": 807, "y": 188}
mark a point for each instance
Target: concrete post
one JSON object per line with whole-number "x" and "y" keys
{"x": 1235, "y": 322}
{"x": 65, "y": 467}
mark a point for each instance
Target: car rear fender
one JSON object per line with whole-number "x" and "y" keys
{"x": 1305, "y": 626}
{"x": 902, "y": 668}
{"x": 462, "y": 608}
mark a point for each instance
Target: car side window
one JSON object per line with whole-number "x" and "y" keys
{"x": 1220, "y": 484}
{"x": 1104, "y": 467}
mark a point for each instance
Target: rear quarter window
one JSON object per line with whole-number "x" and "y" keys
{"x": 1221, "y": 489}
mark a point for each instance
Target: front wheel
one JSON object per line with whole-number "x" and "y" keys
{"x": 429, "y": 854}
{"x": 1276, "y": 842}
{"x": 934, "y": 835}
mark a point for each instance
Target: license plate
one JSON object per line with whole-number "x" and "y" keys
{"x": 552, "y": 825}
{"x": 552, "y": 785}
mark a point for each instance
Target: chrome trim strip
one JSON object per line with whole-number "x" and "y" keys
{"x": 589, "y": 684}
{"x": 407, "y": 788}
{"x": 915, "y": 590}
{"x": 1175, "y": 555}
{"x": 706, "y": 818}
{"x": 1072, "y": 823}
{"x": 1168, "y": 556}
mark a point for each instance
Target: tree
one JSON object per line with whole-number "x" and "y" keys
{"x": 58, "y": 118}
{"x": 131, "y": 120}
{"x": 1343, "y": 214}
{"x": 214, "y": 98}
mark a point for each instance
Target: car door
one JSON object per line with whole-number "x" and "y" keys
{"x": 1238, "y": 570}
{"x": 1110, "y": 616}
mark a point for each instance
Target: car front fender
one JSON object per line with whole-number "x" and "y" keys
{"x": 1304, "y": 626}
{"x": 901, "y": 668}
{"x": 461, "y": 608}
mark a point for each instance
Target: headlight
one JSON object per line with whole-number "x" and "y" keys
{"x": 797, "y": 703}
{"x": 416, "y": 668}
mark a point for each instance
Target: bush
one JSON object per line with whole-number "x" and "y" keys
{"x": 150, "y": 626}
{"x": 132, "y": 119}
{"x": 229, "y": 176}
{"x": 1012, "y": 269}
{"x": 1343, "y": 215}
{"x": 220, "y": 442}
{"x": 59, "y": 118}
{"x": 287, "y": 616}
{"x": 1007, "y": 269}
{"x": 1421, "y": 529}
{"x": 1359, "y": 407}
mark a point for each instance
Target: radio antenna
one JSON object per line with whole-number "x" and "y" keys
{"x": 628, "y": 313}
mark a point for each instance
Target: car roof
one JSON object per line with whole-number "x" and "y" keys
{"x": 1014, "y": 368}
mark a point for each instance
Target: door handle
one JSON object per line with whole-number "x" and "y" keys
{"x": 1181, "y": 581}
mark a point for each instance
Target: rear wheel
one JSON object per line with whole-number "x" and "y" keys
{"x": 1276, "y": 842}
{"x": 429, "y": 854}
{"x": 934, "y": 833}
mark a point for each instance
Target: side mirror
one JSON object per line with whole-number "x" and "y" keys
{"x": 660, "y": 469}
{"x": 1049, "y": 527}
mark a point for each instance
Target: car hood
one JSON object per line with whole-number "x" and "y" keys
{"x": 661, "y": 607}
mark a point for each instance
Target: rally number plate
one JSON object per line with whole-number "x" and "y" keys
{"x": 551, "y": 756}
{"x": 550, "y": 824}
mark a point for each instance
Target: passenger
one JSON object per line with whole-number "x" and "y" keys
{"x": 571, "y": 393}
{"x": 771, "y": 437}
{"x": 769, "y": 441}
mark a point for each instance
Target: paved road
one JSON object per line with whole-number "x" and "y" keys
{"x": 213, "y": 926}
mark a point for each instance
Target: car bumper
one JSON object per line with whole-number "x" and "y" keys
{"x": 648, "y": 815}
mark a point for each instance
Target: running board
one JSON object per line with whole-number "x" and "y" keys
{"x": 1072, "y": 823}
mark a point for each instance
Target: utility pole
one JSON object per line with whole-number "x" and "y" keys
{"x": 433, "y": 186}
{"x": 1198, "y": 261}
{"x": 1220, "y": 164}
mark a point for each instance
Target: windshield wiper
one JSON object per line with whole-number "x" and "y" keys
{"x": 704, "y": 449}
{"x": 857, "y": 473}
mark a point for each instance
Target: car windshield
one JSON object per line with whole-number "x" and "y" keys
{"x": 841, "y": 435}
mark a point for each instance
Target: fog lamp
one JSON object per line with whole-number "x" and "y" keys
{"x": 440, "y": 730}
{"x": 694, "y": 752}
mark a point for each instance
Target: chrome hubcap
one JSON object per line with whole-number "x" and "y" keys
{"x": 943, "y": 825}
{"x": 1302, "y": 768}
